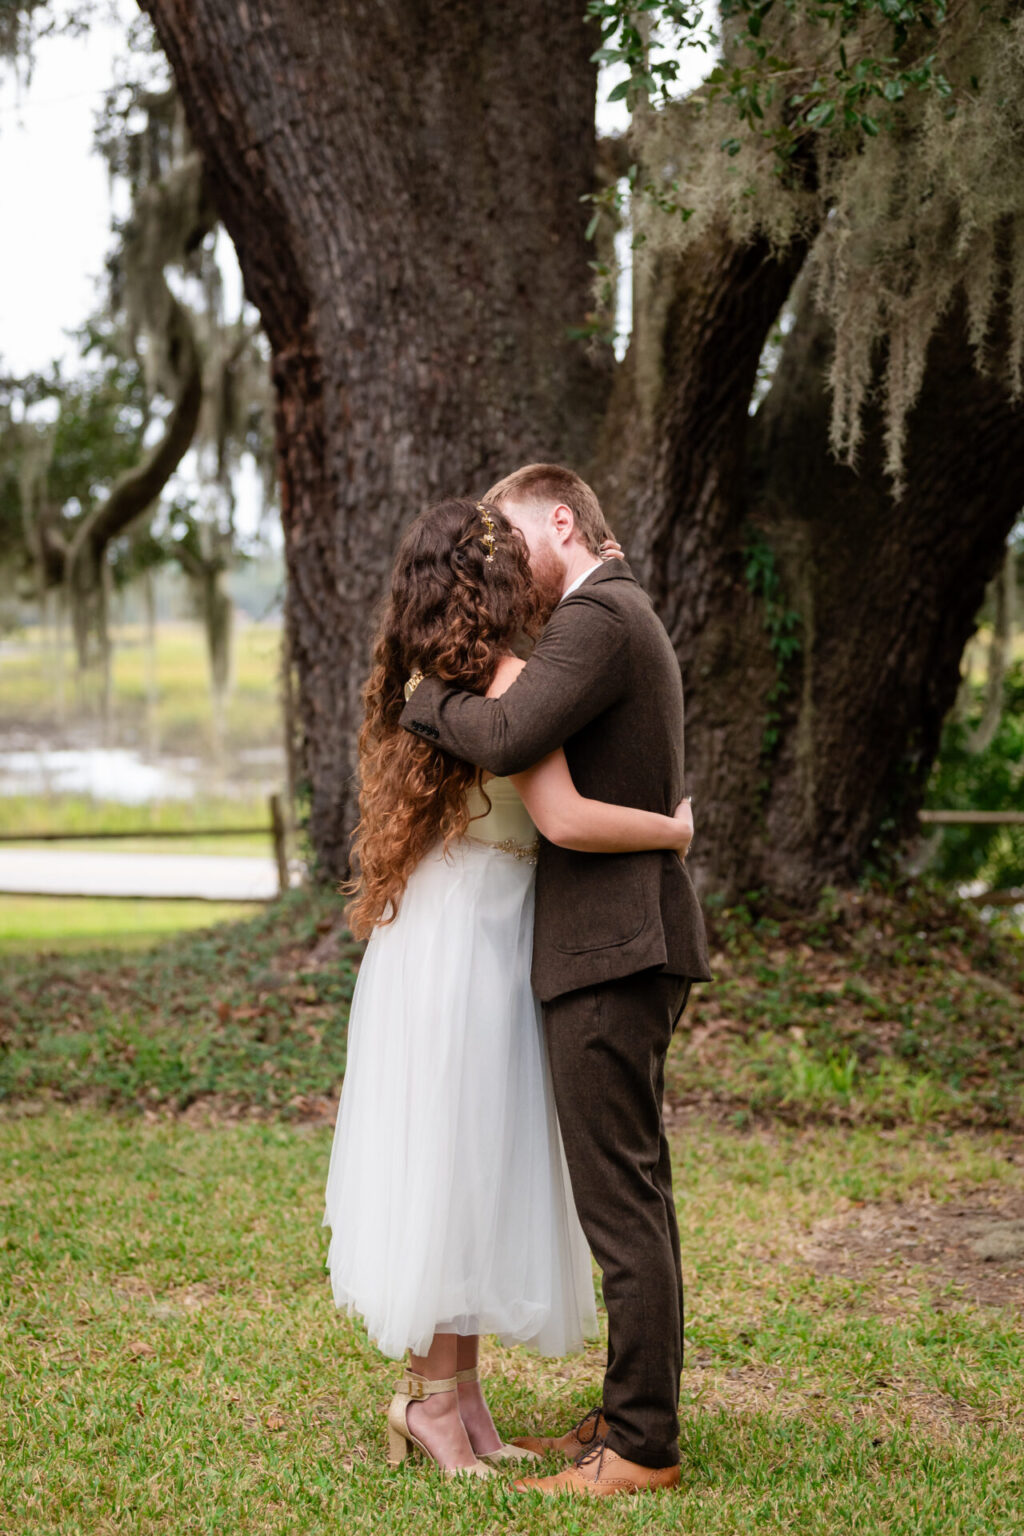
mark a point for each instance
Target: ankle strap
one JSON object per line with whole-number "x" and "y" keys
{"x": 471, "y": 1373}
{"x": 416, "y": 1386}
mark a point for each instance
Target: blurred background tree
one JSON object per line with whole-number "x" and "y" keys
{"x": 87, "y": 464}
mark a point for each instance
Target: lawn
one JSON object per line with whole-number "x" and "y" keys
{"x": 183, "y": 720}
{"x": 878, "y": 1007}
{"x": 34, "y": 925}
{"x": 845, "y": 1113}
{"x": 173, "y": 1362}
{"x": 188, "y": 819}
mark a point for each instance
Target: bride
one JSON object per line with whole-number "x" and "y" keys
{"x": 447, "y": 1195}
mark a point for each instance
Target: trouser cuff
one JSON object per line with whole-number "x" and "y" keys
{"x": 654, "y": 1457}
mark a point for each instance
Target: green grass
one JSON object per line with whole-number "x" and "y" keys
{"x": 233, "y": 1012}
{"x": 82, "y": 814}
{"x": 877, "y": 1008}
{"x": 183, "y": 717}
{"x": 173, "y": 1362}
{"x": 30, "y": 925}
{"x": 894, "y": 1006}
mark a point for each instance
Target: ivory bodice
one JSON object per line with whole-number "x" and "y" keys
{"x": 507, "y": 822}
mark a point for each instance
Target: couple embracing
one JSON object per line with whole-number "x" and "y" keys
{"x": 533, "y": 936}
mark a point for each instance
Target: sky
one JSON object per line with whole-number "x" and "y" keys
{"x": 54, "y": 189}
{"x": 56, "y": 194}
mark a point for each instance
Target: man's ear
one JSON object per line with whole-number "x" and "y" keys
{"x": 563, "y": 522}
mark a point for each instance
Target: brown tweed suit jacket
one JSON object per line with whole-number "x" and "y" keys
{"x": 603, "y": 682}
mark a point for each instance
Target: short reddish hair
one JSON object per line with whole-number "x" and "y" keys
{"x": 554, "y": 483}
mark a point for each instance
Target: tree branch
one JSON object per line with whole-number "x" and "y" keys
{"x": 139, "y": 487}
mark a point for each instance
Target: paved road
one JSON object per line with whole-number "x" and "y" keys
{"x": 210, "y": 877}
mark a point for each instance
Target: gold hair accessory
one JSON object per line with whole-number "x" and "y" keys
{"x": 488, "y": 540}
{"x": 415, "y": 679}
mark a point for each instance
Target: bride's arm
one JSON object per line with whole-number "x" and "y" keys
{"x": 564, "y": 816}
{"x": 567, "y": 818}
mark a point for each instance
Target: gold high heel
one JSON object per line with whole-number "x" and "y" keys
{"x": 505, "y": 1451}
{"x": 413, "y": 1388}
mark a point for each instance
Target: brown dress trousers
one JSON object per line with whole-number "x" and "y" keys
{"x": 607, "y": 1049}
{"x": 618, "y": 940}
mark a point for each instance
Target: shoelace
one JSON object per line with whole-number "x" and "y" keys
{"x": 593, "y": 1417}
{"x": 592, "y": 1453}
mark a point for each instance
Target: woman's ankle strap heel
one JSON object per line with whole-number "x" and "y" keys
{"x": 415, "y": 1386}
{"x": 412, "y": 1388}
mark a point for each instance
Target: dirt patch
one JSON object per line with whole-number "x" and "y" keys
{"x": 887, "y": 1403}
{"x": 975, "y": 1242}
{"x": 212, "y": 1109}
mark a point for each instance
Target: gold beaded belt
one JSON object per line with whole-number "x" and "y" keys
{"x": 525, "y": 851}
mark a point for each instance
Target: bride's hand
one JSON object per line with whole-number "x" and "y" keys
{"x": 683, "y": 814}
{"x": 611, "y": 549}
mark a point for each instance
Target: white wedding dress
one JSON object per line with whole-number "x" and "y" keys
{"x": 448, "y": 1196}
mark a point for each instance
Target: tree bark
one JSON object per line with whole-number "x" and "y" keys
{"x": 672, "y": 473}
{"x": 888, "y": 593}
{"x": 802, "y": 767}
{"x": 402, "y": 185}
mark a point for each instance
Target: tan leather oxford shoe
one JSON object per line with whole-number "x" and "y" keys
{"x": 570, "y": 1445}
{"x": 601, "y": 1472}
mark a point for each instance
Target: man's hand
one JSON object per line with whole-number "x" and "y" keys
{"x": 611, "y": 549}
{"x": 683, "y": 815}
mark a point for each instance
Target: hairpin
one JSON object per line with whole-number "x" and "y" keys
{"x": 488, "y": 540}
{"x": 415, "y": 679}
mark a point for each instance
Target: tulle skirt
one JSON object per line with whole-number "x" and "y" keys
{"x": 448, "y": 1196}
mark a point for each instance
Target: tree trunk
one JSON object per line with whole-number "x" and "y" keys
{"x": 810, "y": 763}
{"x": 888, "y": 594}
{"x": 819, "y": 624}
{"x": 672, "y": 475}
{"x": 402, "y": 184}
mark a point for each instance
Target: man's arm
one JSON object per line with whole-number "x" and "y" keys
{"x": 578, "y": 669}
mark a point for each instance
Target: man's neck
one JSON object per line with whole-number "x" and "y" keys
{"x": 578, "y": 560}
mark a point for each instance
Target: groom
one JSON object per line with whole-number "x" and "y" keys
{"x": 618, "y": 940}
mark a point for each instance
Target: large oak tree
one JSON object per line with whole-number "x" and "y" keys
{"x": 403, "y": 184}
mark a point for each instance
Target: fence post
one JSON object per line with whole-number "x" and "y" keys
{"x": 280, "y": 850}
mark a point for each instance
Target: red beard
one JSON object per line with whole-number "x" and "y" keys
{"x": 549, "y": 581}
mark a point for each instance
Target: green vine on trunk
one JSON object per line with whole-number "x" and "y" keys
{"x": 782, "y": 626}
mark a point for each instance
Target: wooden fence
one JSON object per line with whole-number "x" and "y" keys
{"x": 275, "y": 827}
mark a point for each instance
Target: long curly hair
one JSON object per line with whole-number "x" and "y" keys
{"x": 452, "y": 614}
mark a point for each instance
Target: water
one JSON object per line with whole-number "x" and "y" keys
{"x": 105, "y": 773}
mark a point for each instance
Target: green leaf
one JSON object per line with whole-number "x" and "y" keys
{"x": 821, "y": 115}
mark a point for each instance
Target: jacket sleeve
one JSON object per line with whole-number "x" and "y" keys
{"x": 577, "y": 671}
